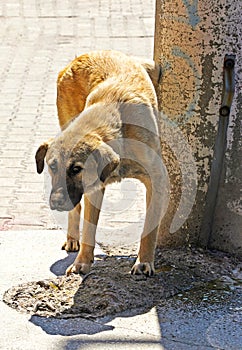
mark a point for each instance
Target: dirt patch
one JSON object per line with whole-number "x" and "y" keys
{"x": 110, "y": 289}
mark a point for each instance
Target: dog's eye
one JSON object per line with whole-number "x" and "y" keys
{"x": 53, "y": 166}
{"x": 76, "y": 169}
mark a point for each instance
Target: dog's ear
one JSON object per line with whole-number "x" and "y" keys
{"x": 40, "y": 155}
{"x": 107, "y": 161}
{"x": 152, "y": 68}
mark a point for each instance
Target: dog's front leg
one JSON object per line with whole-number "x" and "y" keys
{"x": 72, "y": 243}
{"x": 145, "y": 261}
{"x": 85, "y": 257}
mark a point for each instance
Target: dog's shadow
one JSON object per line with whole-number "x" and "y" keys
{"x": 71, "y": 326}
{"x": 110, "y": 291}
{"x": 60, "y": 266}
{"x": 102, "y": 291}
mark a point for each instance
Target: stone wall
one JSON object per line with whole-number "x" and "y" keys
{"x": 192, "y": 39}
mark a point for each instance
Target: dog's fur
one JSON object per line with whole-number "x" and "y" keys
{"x": 107, "y": 112}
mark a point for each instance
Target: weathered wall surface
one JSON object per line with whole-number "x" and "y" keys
{"x": 191, "y": 41}
{"x": 227, "y": 226}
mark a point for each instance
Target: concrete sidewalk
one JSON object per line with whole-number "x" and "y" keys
{"x": 37, "y": 40}
{"x": 21, "y": 332}
{"x": 173, "y": 325}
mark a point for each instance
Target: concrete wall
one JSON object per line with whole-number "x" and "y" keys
{"x": 191, "y": 41}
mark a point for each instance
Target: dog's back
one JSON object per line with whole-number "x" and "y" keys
{"x": 104, "y": 69}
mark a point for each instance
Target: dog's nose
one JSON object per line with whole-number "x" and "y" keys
{"x": 57, "y": 199}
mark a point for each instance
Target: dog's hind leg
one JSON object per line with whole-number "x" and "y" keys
{"x": 85, "y": 257}
{"x": 72, "y": 243}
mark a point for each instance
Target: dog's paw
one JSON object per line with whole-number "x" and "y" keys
{"x": 145, "y": 268}
{"x": 80, "y": 268}
{"x": 71, "y": 245}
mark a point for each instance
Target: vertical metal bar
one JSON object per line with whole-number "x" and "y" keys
{"x": 219, "y": 150}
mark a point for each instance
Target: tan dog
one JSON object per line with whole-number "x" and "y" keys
{"x": 115, "y": 136}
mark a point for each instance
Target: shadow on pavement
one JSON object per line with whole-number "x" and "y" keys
{"x": 60, "y": 266}
{"x": 139, "y": 344}
{"x": 190, "y": 291}
{"x": 69, "y": 327}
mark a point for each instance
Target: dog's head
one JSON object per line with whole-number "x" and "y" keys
{"x": 75, "y": 170}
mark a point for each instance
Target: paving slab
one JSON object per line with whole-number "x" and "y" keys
{"x": 37, "y": 41}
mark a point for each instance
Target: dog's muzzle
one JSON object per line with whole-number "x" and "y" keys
{"x": 59, "y": 200}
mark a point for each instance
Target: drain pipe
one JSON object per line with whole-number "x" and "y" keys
{"x": 219, "y": 150}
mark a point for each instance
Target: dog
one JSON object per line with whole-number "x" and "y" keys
{"x": 107, "y": 110}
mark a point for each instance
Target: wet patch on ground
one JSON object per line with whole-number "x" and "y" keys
{"x": 188, "y": 275}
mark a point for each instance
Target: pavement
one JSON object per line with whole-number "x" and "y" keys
{"x": 37, "y": 40}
